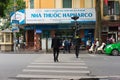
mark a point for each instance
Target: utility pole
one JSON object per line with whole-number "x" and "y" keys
{"x": 98, "y": 20}
{"x": 14, "y": 33}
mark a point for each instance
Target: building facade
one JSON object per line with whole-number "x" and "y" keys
{"x": 110, "y": 19}
{"x": 41, "y": 38}
{"x": 38, "y": 35}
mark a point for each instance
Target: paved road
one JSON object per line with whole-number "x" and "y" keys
{"x": 12, "y": 64}
{"x": 31, "y": 66}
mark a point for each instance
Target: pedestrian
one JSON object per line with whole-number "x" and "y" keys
{"x": 69, "y": 45}
{"x": 88, "y": 44}
{"x": 66, "y": 45}
{"x": 55, "y": 45}
{"x": 97, "y": 44}
{"x": 63, "y": 44}
{"x": 111, "y": 40}
{"x": 77, "y": 45}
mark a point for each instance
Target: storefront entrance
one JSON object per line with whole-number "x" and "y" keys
{"x": 30, "y": 39}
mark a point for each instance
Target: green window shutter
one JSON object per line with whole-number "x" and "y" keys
{"x": 31, "y": 4}
{"x": 67, "y": 3}
{"x": 105, "y": 9}
{"x": 116, "y": 8}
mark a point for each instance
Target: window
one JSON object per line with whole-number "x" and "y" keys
{"x": 115, "y": 28}
{"x": 112, "y": 8}
{"x": 1, "y": 38}
{"x": 67, "y": 3}
{"x": 7, "y": 37}
{"x": 31, "y": 3}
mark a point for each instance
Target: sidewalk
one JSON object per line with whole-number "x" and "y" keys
{"x": 40, "y": 52}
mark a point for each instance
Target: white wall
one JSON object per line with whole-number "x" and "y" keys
{"x": 44, "y": 43}
{"x": 89, "y": 3}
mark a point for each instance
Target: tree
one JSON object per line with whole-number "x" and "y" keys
{"x": 98, "y": 20}
{"x": 7, "y": 7}
{"x": 3, "y": 4}
{"x": 19, "y": 4}
{"x": 11, "y": 5}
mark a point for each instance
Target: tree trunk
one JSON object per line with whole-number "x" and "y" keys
{"x": 98, "y": 20}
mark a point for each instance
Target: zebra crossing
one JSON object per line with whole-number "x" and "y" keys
{"x": 65, "y": 69}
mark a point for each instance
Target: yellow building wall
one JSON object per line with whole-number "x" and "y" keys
{"x": 37, "y": 4}
{"x": 94, "y": 3}
{"x": 82, "y": 3}
{"x": 47, "y": 3}
{"x": 41, "y": 4}
{"x": 58, "y": 3}
{"x": 27, "y": 3}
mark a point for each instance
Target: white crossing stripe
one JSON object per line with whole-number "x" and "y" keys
{"x": 63, "y": 67}
{"x": 56, "y": 71}
{"x": 75, "y": 64}
{"x": 38, "y": 60}
{"x": 66, "y": 77}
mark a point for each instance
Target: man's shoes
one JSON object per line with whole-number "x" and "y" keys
{"x": 54, "y": 60}
{"x": 57, "y": 60}
{"x": 76, "y": 56}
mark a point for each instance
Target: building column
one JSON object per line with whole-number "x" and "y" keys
{"x": 35, "y": 40}
{"x": 26, "y": 38}
{"x": 58, "y": 3}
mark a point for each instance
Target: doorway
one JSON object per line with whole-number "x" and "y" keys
{"x": 30, "y": 38}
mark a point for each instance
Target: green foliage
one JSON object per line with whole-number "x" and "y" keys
{"x": 3, "y": 4}
{"x": 19, "y": 4}
{"x": 20, "y": 33}
{"x": 6, "y": 8}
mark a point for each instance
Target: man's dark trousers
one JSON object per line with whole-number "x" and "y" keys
{"x": 56, "y": 54}
{"x": 77, "y": 51}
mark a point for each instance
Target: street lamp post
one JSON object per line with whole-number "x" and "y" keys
{"x": 76, "y": 25}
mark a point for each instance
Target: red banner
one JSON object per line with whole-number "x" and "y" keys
{"x": 106, "y": 2}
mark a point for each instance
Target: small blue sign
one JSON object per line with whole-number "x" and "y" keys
{"x": 15, "y": 22}
{"x": 15, "y": 29}
{"x": 38, "y": 31}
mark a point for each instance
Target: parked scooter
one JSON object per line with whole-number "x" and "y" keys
{"x": 91, "y": 50}
{"x": 100, "y": 49}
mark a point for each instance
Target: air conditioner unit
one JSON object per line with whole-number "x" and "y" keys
{"x": 113, "y": 18}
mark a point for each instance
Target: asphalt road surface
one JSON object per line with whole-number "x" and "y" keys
{"x": 31, "y": 65}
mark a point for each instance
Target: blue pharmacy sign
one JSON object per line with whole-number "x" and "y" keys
{"x": 18, "y": 16}
{"x": 59, "y": 15}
